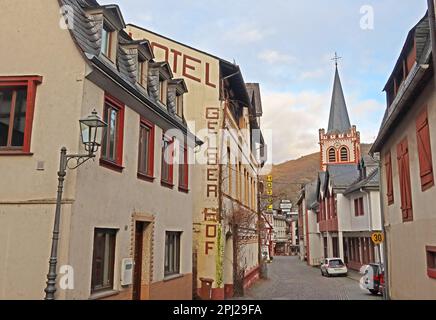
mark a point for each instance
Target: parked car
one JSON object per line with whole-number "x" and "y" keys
{"x": 333, "y": 267}
{"x": 373, "y": 279}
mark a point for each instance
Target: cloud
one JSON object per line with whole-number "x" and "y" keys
{"x": 273, "y": 57}
{"x": 294, "y": 119}
{"x": 363, "y": 108}
{"x": 314, "y": 74}
{"x": 246, "y": 34}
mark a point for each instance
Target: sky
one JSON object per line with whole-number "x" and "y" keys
{"x": 287, "y": 47}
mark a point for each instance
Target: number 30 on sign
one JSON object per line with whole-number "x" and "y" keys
{"x": 377, "y": 237}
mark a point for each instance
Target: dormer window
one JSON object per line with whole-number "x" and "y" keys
{"x": 179, "y": 105}
{"x": 142, "y": 72}
{"x": 106, "y": 37}
{"x": 112, "y": 23}
{"x": 163, "y": 87}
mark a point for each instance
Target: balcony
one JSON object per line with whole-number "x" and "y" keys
{"x": 330, "y": 225}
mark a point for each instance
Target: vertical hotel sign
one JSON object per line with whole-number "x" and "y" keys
{"x": 269, "y": 192}
{"x": 211, "y": 215}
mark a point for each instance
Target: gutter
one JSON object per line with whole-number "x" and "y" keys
{"x": 432, "y": 22}
{"x": 156, "y": 110}
{"x": 399, "y": 104}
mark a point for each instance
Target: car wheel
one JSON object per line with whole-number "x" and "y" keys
{"x": 374, "y": 292}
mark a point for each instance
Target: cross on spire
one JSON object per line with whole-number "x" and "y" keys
{"x": 336, "y": 59}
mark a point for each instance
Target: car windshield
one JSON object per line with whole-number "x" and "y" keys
{"x": 336, "y": 263}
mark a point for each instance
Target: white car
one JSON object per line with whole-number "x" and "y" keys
{"x": 333, "y": 267}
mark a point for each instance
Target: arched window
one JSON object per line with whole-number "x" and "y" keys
{"x": 332, "y": 155}
{"x": 344, "y": 154}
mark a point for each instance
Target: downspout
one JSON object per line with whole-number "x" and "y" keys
{"x": 432, "y": 22}
{"x": 386, "y": 291}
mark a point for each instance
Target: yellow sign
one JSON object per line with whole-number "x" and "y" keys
{"x": 378, "y": 238}
{"x": 269, "y": 178}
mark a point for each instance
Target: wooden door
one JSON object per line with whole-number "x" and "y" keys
{"x": 137, "y": 272}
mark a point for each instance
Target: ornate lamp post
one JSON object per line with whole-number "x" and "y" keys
{"x": 91, "y": 132}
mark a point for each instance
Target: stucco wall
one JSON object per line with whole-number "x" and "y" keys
{"x": 108, "y": 199}
{"x": 26, "y": 227}
{"x": 407, "y": 241}
{"x": 101, "y": 197}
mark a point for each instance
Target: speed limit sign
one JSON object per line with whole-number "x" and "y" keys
{"x": 377, "y": 238}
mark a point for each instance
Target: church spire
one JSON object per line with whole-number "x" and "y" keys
{"x": 339, "y": 121}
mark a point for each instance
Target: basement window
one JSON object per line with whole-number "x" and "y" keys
{"x": 431, "y": 261}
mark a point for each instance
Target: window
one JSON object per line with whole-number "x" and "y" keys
{"x": 389, "y": 179}
{"x": 146, "y": 150}
{"x": 229, "y": 171}
{"x": 424, "y": 151}
{"x": 179, "y": 105}
{"x": 106, "y": 39}
{"x": 332, "y": 155}
{"x": 167, "y": 161}
{"x": 358, "y": 207}
{"x": 17, "y": 102}
{"x": 172, "y": 253}
{"x": 142, "y": 72}
{"x": 245, "y": 187}
{"x": 103, "y": 260}
{"x": 112, "y": 142}
{"x": 184, "y": 169}
{"x": 405, "y": 186}
{"x": 163, "y": 91}
{"x": 344, "y": 154}
{"x": 431, "y": 261}
{"x": 239, "y": 184}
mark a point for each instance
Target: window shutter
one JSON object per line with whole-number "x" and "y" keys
{"x": 389, "y": 178}
{"x": 424, "y": 151}
{"x": 405, "y": 185}
{"x": 356, "y": 207}
{"x": 361, "y": 207}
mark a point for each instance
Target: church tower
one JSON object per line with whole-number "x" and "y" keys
{"x": 341, "y": 143}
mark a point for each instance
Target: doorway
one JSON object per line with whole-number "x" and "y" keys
{"x": 141, "y": 270}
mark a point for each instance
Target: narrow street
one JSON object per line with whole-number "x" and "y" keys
{"x": 291, "y": 279}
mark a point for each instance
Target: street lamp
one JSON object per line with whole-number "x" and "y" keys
{"x": 91, "y": 131}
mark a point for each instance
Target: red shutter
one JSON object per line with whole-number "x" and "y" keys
{"x": 389, "y": 179}
{"x": 405, "y": 185}
{"x": 424, "y": 151}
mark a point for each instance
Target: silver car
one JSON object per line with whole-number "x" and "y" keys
{"x": 333, "y": 267}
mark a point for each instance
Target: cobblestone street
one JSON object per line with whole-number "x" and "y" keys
{"x": 291, "y": 279}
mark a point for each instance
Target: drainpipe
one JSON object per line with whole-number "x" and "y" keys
{"x": 432, "y": 21}
{"x": 386, "y": 291}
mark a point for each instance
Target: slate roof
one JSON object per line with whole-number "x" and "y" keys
{"x": 419, "y": 33}
{"x": 253, "y": 90}
{"x": 321, "y": 181}
{"x": 342, "y": 175}
{"x": 371, "y": 182}
{"x": 86, "y": 33}
{"x": 394, "y": 113}
{"x": 311, "y": 195}
{"x": 339, "y": 121}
